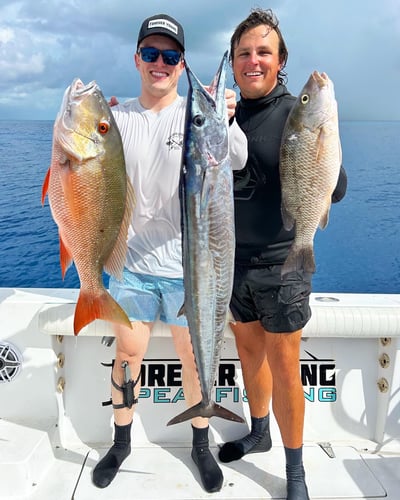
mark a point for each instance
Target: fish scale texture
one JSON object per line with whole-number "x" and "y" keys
{"x": 309, "y": 168}
{"x": 91, "y": 199}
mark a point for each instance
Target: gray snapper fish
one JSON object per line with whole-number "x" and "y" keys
{"x": 208, "y": 235}
{"x": 310, "y": 160}
{"x": 91, "y": 199}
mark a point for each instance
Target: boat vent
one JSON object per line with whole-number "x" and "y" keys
{"x": 10, "y": 362}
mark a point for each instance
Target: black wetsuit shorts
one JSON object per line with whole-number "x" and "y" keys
{"x": 281, "y": 305}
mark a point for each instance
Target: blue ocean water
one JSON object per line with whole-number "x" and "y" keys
{"x": 358, "y": 251}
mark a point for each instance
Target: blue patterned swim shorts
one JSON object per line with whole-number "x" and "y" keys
{"x": 147, "y": 298}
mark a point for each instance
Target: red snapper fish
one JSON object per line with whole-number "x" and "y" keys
{"x": 91, "y": 199}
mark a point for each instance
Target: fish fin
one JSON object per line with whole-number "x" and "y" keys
{"x": 116, "y": 260}
{"x": 65, "y": 257}
{"x": 220, "y": 411}
{"x": 206, "y": 410}
{"x": 130, "y": 199}
{"x": 45, "y": 186}
{"x": 325, "y": 216}
{"x": 102, "y": 306}
{"x": 324, "y": 220}
{"x": 299, "y": 258}
{"x": 287, "y": 219}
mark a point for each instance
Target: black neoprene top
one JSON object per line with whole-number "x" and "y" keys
{"x": 260, "y": 236}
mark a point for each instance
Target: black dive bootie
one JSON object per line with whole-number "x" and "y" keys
{"x": 258, "y": 441}
{"x": 107, "y": 468}
{"x": 210, "y": 473}
{"x": 295, "y": 475}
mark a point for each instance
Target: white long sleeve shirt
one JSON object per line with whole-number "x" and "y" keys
{"x": 153, "y": 154}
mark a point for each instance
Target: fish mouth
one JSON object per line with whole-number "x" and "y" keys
{"x": 216, "y": 91}
{"x": 324, "y": 83}
{"x": 321, "y": 79}
{"x": 215, "y": 97}
{"x": 217, "y": 86}
{"x": 73, "y": 96}
{"x": 69, "y": 116}
{"x": 78, "y": 89}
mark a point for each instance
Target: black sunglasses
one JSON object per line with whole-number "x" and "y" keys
{"x": 151, "y": 54}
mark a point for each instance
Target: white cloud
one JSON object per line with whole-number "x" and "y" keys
{"x": 45, "y": 44}
{"x": 6, "y": 34}
{"x": 21, "y": 66}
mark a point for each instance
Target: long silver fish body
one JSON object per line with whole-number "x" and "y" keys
{"x": 310, "y": 160}
{"x": 208, "y": 233}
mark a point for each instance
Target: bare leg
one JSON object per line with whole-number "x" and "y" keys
{"x": 251, "y": 347}
{"x": 289, "y": 405}
{"x": 190, "y": 377}
{"x": 288, "y": 397}
{"x": 131, "y": 346}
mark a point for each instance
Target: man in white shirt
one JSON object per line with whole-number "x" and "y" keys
{"x": 152, "y": 128}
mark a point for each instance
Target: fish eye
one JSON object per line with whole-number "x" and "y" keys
{"x": 305, "y": 98}
{"x": 198, "y": 120}
{"x": 103, "y": 127}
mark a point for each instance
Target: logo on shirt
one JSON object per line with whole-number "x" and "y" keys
{"x": 175, "y": 141}
{"x": 246, "y": 181}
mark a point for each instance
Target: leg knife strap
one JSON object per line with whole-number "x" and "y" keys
{"x": 127, "y": 388}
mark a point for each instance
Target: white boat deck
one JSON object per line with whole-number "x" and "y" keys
{"x": 167, "y": 471}
{"x": 53, "y": 429}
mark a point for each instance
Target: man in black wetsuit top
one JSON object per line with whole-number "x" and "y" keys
{"x": 270, "y": 312}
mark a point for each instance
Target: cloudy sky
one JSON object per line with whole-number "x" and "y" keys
{"x": 45, "y": 44}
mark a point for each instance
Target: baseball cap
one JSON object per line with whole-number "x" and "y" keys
{"x": 162, "y": 24}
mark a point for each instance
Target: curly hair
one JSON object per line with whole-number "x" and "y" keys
{"x": 256, "y": 18}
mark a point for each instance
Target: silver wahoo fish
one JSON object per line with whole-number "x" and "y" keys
{"x": 309, "y": 168}
{"x": 208, "y": 234}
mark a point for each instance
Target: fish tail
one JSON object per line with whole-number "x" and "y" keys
{"x": 102, "y": 306}
{"x": 299, "y": 258}
{"x": 205, "y": 410}
{"x": 220, "y": 411}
